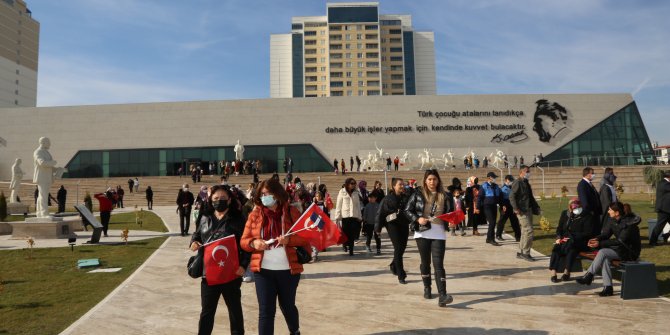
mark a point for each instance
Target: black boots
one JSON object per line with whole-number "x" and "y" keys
{"x": 565, "y": 277}
{"x": 607, "y": 291}
{"x": 586, "y": 279}
{"x": 426, "y": 287}
{"x": 554, "y": 279}
{"x": 445, "y": 298}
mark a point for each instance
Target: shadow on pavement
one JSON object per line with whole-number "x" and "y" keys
{"x": 466, "y": 330}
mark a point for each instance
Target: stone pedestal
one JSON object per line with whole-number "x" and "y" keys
{"x": 17, "y": 208}
{"x": 5, "y": 228}
{"x": 52, "y": 227}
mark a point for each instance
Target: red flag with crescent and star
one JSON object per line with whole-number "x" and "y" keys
{"x": 221, "y": 260}
{"x": 316, "y": 227}
{"x": 454, "y": 217}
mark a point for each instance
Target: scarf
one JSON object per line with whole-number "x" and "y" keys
{"x": 272, "y": 223}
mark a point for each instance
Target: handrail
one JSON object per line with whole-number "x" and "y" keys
{"x": 604, "y": 160}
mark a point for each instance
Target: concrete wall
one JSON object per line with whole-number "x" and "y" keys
{"x": 424, "y": 62}
{"x": 281, "y": 66}
{"x": 296, "y": 121}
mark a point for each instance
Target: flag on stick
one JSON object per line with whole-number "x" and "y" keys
{"x": 314, "y": 225}
{"x": 454, "y": 217}
{"x": 221, "y": 260}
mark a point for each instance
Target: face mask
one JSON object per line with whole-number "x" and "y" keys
{"x": 593, "y": 176}
{"x": 185, "y": 189}
{"x": 577, "y": 211}
{"x": 493, "y": 181}
{"x": 220, "y": 205}
{"x": 268, "y": 200}
{"x": 527, "y": 176}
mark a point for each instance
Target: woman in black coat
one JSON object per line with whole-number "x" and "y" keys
{"x": 572, "y": 235}
{"x": 390, "y": 216}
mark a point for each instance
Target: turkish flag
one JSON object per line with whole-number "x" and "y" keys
{"x": 454, "y": 217}
{"x": 221, "y": 260}
{"x": 316, "y": 227}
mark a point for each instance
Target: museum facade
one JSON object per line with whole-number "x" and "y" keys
{"x": 155, "y": 139}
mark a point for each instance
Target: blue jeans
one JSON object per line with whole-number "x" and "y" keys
{"x": 273, "y": 284}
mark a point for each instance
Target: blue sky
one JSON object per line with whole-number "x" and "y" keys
{"x": 120, "y": 51}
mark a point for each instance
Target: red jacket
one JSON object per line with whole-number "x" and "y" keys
{"x": 252, "y": 231}
{"x": 105, "y": 203}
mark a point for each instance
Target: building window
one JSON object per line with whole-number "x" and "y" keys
{"x": 347, "y": 37}
{"x": 371, "y": 27}
{"x": 348, "y": 83}
{"x": 348, "y": 64}
{"x": 323, "y": 68}
{"x": 359, "y": 55}
{"x": 323, "y": 87}
{"x": 348, "y": 56}
{"x": 395, "y": 31}
{"x": 323, "y": 42}
{"x": 297, "y": 26}
{"x": 375, "y": 92}
{"x": 347, "y": 46}
{"x": 310, "y": 33}
{"x": 361, "y": 93}
{"x": 323, "y": 78}
{"x": 310, "y": 42}
{"x": 336, "y": 93}
{"x": 322, "y": 32}
{"x": 396, "y": 49}
{"x": 349, "y": 93}
{"x": 360, "y": 73}
{"x": 323, "y": 59}
{"x": 359, "y": 36}
{"x": 360, "y": 64}
{"x": 359, "y": 27}
{"x": 323, "y": 50}
{"x": 372, "y": 45}
{"x": 348, "y": 74}
{"x": 361, "y": 83}
{"x": 396, "y": 58}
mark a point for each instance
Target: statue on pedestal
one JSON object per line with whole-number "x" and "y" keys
{"x": 15, "y": 185}
{"x": 239, "y": 151}
{"x": 45, "y": 172}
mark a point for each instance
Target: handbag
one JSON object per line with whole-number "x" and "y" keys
{"x": 303, "y": 256}
{"x": 194, "y": 267}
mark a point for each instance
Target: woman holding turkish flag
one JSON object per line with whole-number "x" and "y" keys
{"x": 274, "y": 260}
{"x": 224, "y": 221}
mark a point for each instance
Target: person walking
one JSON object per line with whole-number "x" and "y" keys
{"x": 662, "y": 208}
{"x": 358, "y": 164}
{"x": 391, "y": 215}
{"x": 507, "y": 212}
{"x": 490, "y": 197}
{"x": 475, "y": 216}
{"x": 351, "y": 163}
{"x": 224, "y": 221}
{"x": 136, "y": 184}
{"x": 61, "y": 197}
{"x": 624, "y": 226}
{"x": 347, "y": 213}
{"x": 427, "y": 202}
{"x": 150, "y": 197}
{"x": 369, "y": 214}
{"x": 335, "y": 165}
{"x": 131, "y": 182}
{"x": 396, "y": 162}
{"x": 185, "y": 201}
{"x": 343, "y": 165}
{"x": 589, "y": 198}
{"x": 274, "y": 259}
{"x": 524, "y": 206}
{"x": 119, "y": 196}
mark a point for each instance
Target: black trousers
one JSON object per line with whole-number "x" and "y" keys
{"x": 662, "y": 219}
{"x": 209, "y": 300}
{"x": 557, "y": 252}
{"x": 150, "y": 203}
{"x": 514, "y": 221}
{"x": 273, "y": 285}
{"x": 104, "y": 220}
{"x": 432, "y": 250}
{"x": 399, "y": 234}
{"x": 184, "y": 219}
{"x": 61, "y": 205}
{"x": 351, "y": 228}
{"x": 491, "y": 214}
{"x": 369, "y": 230}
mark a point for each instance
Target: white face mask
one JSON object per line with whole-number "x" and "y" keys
{"x": 577, "y": 211}
{"x": 527, "y": 176}
{"x": 185, "y": 189}
{"x": 493, "y": 181}
{"x": 593, "y": 176}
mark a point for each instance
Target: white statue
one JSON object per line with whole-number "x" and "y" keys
{"x": 497, "y": 159}
{"x": 15, "y": 185}
{"x": 451, "y": 156}
{"x": 239, "y": 151}
{"x": 45, "y": 172}
{"x": 426, "y": 159}
{"x": 405, "y": 158}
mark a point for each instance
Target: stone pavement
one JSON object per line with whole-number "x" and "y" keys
{"x": 494, "y": 293}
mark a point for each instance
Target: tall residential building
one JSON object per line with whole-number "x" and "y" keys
{"x": 19, "y": 46}
{"x": 352, "y": 51}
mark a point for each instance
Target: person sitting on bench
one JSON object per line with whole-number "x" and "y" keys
{"x": 626, "y": 245}
{"x": 572, "y": 235}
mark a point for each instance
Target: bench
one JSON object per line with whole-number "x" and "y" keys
{"x": 638, "y": 278}
{"x": 89, "y": 218}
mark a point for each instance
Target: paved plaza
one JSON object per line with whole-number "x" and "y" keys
{"x": 494, "y": 293}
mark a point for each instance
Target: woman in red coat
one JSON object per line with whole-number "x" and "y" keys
{"x": 274, "y": 260}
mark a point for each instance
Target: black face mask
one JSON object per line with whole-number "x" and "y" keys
{"x": 220, "y": 205}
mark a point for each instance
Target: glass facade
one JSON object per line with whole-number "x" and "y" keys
{"x": 297, "y": 66}
{"x": 410, "y": 77}
{"x": 352, "y": 14}
{"x": 167, "y": 161}
{"x": 621, "y": 139}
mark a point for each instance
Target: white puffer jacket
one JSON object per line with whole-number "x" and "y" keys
{"x": 347, "y": 206}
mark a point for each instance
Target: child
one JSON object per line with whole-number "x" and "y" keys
{"x": 369, "y": 213}
{"x": 458, "y": 206}
{"x": 318, "y": 200}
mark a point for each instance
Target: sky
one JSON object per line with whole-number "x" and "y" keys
{"x": 129, "y": 51}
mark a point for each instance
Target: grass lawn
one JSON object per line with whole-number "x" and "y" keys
{"x": 641, "y": 205}
{"x": 47, "y": 293}
{"x": 150, "y": 222}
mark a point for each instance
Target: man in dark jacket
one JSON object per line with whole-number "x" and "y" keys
{"x": 507, "y": 213}
{"x": 524, "y": 205}
{"x": 589, "y": 198}
{"x": 607, "y": 192}
{"x": 185, "y": 201}
{"x": 490, "y": 197}
{"x": 662, "y": 208}
{"x": 61, "y": 196}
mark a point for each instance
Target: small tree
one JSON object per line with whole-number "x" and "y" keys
{"x": 88, "y": 202}
{"x": 3, "y": 206}
{"x": 652, "y": 176}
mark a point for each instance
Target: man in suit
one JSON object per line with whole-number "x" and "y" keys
{"x": 662, "y": 208}
{"x": 185, "y": 201}
{"x": 589, "y": 198}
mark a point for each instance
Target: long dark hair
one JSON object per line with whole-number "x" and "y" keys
{"x": 439, "y": 189}
{"x": 235, "y": 206}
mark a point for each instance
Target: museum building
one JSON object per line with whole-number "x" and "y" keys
{"x": 98, "y": 140}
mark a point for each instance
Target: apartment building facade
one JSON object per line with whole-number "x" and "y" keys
{"x": 19, "y": 48}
